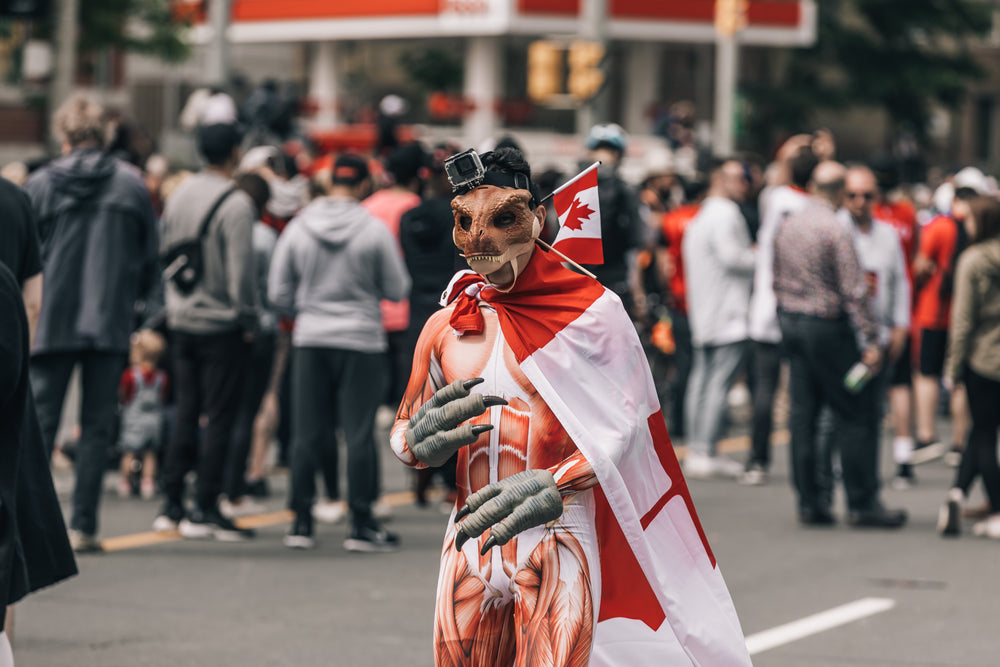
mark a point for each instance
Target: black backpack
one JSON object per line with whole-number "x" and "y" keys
{"x": 183, "y": 264}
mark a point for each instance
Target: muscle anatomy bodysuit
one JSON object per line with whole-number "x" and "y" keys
{"x": 541, "y": 579}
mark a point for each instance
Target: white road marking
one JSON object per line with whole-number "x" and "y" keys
{"x": 821, "y": 622}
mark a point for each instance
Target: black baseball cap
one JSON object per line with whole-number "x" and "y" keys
{"x": 349, "y": 169}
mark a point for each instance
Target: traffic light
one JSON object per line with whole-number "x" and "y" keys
{"x": 24, "y": 8}
{"x": 544, "y": 70}
{"x": 731, "y": 16}
{"x": 585, "y": 74}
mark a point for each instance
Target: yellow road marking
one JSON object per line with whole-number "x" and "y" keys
{"x": 139, "y": 540}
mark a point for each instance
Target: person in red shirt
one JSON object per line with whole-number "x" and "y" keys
{"x": 143, "y": 392}
{"x": 673, "y": 225}
{"x": 902, "y": 215}
{"x": 941, "y": 240}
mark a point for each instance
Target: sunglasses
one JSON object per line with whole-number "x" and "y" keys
{"x": 868, "y": 196}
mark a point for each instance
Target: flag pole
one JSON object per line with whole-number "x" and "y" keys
{"x": 547, "y": 248}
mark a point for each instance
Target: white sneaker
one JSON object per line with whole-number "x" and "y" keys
{"x": 755, "y": 476}
{"x": 697, "y": 466}
{"x": 724, "y": 466}
{"x": 245, "y": 506}
{"x": 988, "y": 527}
{"x": 381, "y": 510}
{"x": 329, "y": 511}
{"x": 929, "y": 452}
{"x": 164, "y": 524}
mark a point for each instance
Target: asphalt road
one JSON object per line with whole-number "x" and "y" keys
{"x": 806, "y": 597}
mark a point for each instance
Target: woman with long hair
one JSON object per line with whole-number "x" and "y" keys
{"x": 974, "y": 357}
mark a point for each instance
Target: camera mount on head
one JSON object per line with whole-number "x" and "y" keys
{"x": 466, "y": 172}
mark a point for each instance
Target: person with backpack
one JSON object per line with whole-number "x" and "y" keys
{"x": 623, "y": 231}
{"x": 211, "y": 306}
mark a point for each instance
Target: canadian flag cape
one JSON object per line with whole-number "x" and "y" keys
{"x": 663, "y": 600}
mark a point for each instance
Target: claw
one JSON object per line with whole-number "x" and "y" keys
{"x": 489, "y": 544}
{"x": 462, "y": 513}
{"x": 460, "y": 539}
{"x": 469, "y": 384}
{"x": 490, "y": 401}
{"x": 481, "y": 428}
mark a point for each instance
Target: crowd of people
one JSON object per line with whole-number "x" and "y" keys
{"x": 876, "y": 295}
{"x": 277, "y": 295}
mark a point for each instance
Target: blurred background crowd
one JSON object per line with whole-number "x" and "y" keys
{"x": 871, "y": 125}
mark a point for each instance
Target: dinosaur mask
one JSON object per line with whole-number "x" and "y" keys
{"x": 495, "y": 228}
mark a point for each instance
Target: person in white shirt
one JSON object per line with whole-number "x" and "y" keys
{"x": 880, "y": 254}
{"x": 718, "y": 270}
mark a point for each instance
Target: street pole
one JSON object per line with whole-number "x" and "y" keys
{"x": 64, "y": 76}
{"x": 726, "y": 63}
{"x": 217, "y": 57}
{"x": 593, "y": 28}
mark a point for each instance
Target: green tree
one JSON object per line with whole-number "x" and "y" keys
{"x": 433, "y": 69}
{"x": 898, "y": 55}
{"x": 141, "y": 26}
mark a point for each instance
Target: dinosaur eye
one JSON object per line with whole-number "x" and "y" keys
{"x": 504, "y": 220}
{"x": 465, "y": 222}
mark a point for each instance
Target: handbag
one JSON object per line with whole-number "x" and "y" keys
{"x": 183, "y": 262}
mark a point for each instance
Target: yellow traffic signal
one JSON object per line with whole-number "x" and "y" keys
{"x": 544, "y": 70}
{"x": 731, "y": 16}
{"x": 585, "y": 74}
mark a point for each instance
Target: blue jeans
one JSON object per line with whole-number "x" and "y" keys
{"x": 100, "y": 373}
{"x": 706, "y": 408}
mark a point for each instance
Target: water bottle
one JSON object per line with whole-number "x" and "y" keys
{"x": 857, "y": 377}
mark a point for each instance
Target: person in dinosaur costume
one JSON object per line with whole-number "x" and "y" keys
{"x": 574, "y": 540}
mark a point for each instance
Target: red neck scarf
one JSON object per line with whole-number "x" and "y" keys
{"x": 545, "y": 298}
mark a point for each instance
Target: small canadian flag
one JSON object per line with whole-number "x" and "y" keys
{"x": 579, "y": 213}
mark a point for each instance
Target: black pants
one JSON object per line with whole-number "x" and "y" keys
{"x": 820, "y": 352}
{"x": 100, "y": 372}
{"x": 683, "y": 361}
{"x": 208, "y": 380}
{"x": 766, "y": 372}
{"x": 256, "y": 377}
{"x": 331, "y": 389}
{"x": 980, "y": 455}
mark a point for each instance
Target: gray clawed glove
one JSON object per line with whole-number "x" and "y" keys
{"x": 511, "y": 506}
{"x": 432, "y": 435}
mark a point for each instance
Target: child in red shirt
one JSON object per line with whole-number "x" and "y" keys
{"x": 142, "y": 391}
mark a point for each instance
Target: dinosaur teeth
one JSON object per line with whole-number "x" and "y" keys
{"x": 484, "y": 258}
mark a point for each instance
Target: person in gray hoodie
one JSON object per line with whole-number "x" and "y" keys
{"x": 98, "y": 241}
{"x": 330, "y": 268}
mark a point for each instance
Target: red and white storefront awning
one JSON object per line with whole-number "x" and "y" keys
{"x": 771, "y": 22}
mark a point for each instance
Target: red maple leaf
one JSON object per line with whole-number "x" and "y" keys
{"x": 578, "y": 212}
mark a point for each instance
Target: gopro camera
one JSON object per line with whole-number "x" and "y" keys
{"x": 465, "y": 171}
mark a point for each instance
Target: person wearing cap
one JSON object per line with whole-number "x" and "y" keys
{"x": 98, "y": 247}
{"x": 330, "y": 268}
{"x": 623, "y": 232}
{"x": 210, "y": 327}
